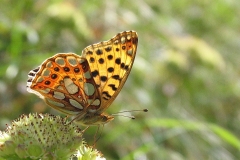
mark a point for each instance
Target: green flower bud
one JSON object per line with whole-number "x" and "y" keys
{"x": 43, "y": 136}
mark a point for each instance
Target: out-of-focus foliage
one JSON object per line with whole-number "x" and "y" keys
{"x": 186, "y": 71}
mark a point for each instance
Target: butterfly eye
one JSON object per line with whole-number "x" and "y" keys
{"x": 104, "y": 118}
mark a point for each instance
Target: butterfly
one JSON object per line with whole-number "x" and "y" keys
{"x": 85, "y": 86}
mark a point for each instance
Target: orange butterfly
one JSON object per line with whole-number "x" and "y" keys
{"x": 85, "y": 86}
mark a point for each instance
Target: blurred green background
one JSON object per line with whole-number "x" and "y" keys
{"x": 186, "y": 71}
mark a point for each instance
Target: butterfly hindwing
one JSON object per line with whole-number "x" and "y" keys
{"x": 65, "y": 83}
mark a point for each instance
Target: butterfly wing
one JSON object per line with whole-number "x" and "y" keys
{"x": 65, "y": 83}
{"x": 110, "y": 63}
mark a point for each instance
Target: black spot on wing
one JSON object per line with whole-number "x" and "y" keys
{"x": 99, "y": 52}
{"x": 103, "y": 78}
{"x": 95, "y": 73}
{"x": 113, "y": 87}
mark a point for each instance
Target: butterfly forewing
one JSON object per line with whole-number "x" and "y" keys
{"x": 65, "y": 82}
{"x": 110, "y": 63}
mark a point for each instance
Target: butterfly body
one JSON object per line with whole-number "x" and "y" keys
{"x": 85, "y": 86}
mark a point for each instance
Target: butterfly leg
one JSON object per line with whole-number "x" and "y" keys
{"x": 95, "y": 136}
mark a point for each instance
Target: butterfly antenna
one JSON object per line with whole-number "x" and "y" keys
{"x": 137, "y": 110}
{"x": 131, "y": 117}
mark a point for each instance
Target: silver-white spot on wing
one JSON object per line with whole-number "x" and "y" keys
{"x": 58, "y": 95}
{"x": 75, "y": 103}
{"x": 89, "y": 89}
{"x": 70, "y": 86}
